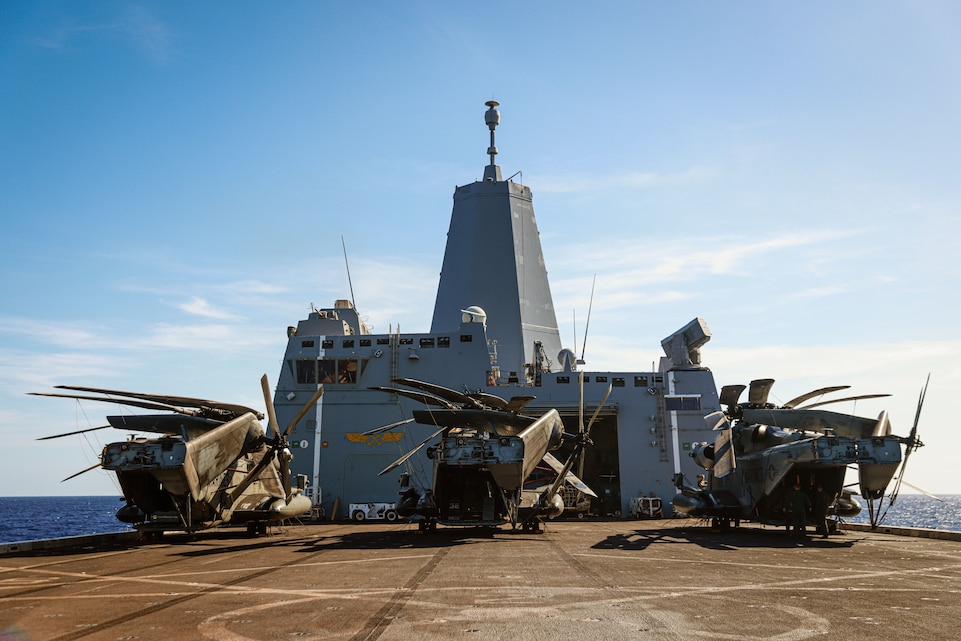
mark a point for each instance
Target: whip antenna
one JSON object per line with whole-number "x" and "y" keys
{"x": 588, "y": 323}
{"x": 351, "y": 285}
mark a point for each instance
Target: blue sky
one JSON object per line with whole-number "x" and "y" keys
{"x": 175, "y": 180}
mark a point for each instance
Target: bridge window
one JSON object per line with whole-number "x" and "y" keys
{"x": 307, "y": 372}
{"x": 682, "y": 403}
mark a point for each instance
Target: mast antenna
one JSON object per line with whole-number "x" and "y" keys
{"x": 351, "y": 285}
{"x": 587, "y": 325}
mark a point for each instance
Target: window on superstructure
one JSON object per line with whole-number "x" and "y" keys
{"x": 563, "y": 380}
{"x": 327, "y": 344}
{"x": 347, "y": 371}
{"x": 306, "y": 343}
{"x": 328, "y": 371}
{"x": 307, "y": 372}
{"x": 349, "y": 343}
{"x": 407, "y": 341}
{"x": 600, "y": 379}
{"x": 682, "y": 403}
{"x": 341, "y": 371}
{"x": 617, "y": 382}
{"x": 640, "y": 381}
{"x": 466, "y": 338}
{"x": 443, "y": 341}
{"x": 427, "y": 343}
{"x": 365, "y": 342}
{"x": 383, "y": 341}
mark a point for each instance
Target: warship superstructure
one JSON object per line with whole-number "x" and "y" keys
{"x": 494, "y": 330}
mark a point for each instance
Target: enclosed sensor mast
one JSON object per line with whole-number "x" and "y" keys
{"x": 494, "y": 260}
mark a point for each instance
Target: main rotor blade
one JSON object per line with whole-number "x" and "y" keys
{"x": 303, "y": 411}
{"x": 518, "y": 403}
{"x": 842, "y": 400}
{"x": 922, "y": 491}
{"x": 147, "y": 405}
{"x": 759, "y": 390}
{"x": 185, "y": 401}
{"x": 271, "y": 415}
{"x": 409, "y": 454}
{"x": 92, "y": 467}
{"x": 818, "y": 392}
{"x": 92, "y": 429}
{"x": 730, "y": 394}
{"x": 445, "y": 393}
{"x": 386, "y": 428}
{"x": 426, "y": 399}
{"x": 490, "y": 400}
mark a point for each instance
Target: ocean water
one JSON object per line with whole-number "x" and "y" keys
{"x": 918, "y": 510}
{"x": 27, "y": 518}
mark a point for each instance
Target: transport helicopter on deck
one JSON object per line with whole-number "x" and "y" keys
{"x": 761, "y": 450}
{"x": 486, "y": 452}
{"x": 213, "y": 463}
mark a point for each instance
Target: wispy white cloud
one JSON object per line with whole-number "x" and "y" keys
{"x": 61, "y": 333}
{"x": 625, "y": 268}
{"x": 201, "y": 307}
{"x": 138, "y": 25}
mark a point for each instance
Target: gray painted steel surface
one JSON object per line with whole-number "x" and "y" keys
{"x": 494, "y": 261}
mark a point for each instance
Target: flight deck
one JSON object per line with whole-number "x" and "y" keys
{"x": 584, "y": 579}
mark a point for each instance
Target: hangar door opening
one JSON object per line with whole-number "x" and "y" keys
{"x": 598, "y": 467}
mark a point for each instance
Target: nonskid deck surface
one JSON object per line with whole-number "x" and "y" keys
{"x": 579, "y": 580}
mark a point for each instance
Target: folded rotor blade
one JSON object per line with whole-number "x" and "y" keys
{"x": 517, "y": 403}
{"x": 426, "y": 399}
{"x": 794, "y": 402}
{"x": 922, "y": 491}
{"x": 730, "y": 394}
{"x": 759, "y": 390}
{"x": 409, "y": 454}
{"x": 92, "y": 467}
{"x": 92, "y": 429}
{"x": 842, "y": 400}
{"x": 387, "y": 428}
{"x": 185, "y": 401}
{"x": 148, "y": 405}
{"x": 716, "y": 420}
{"x": 445, "y": 393}
{"x": 490, "y": 400}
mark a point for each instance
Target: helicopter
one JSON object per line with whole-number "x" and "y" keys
{"x": 213, "y": 463}
{"x": 761, "y": 450}
{"x": 486, "y": 452}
